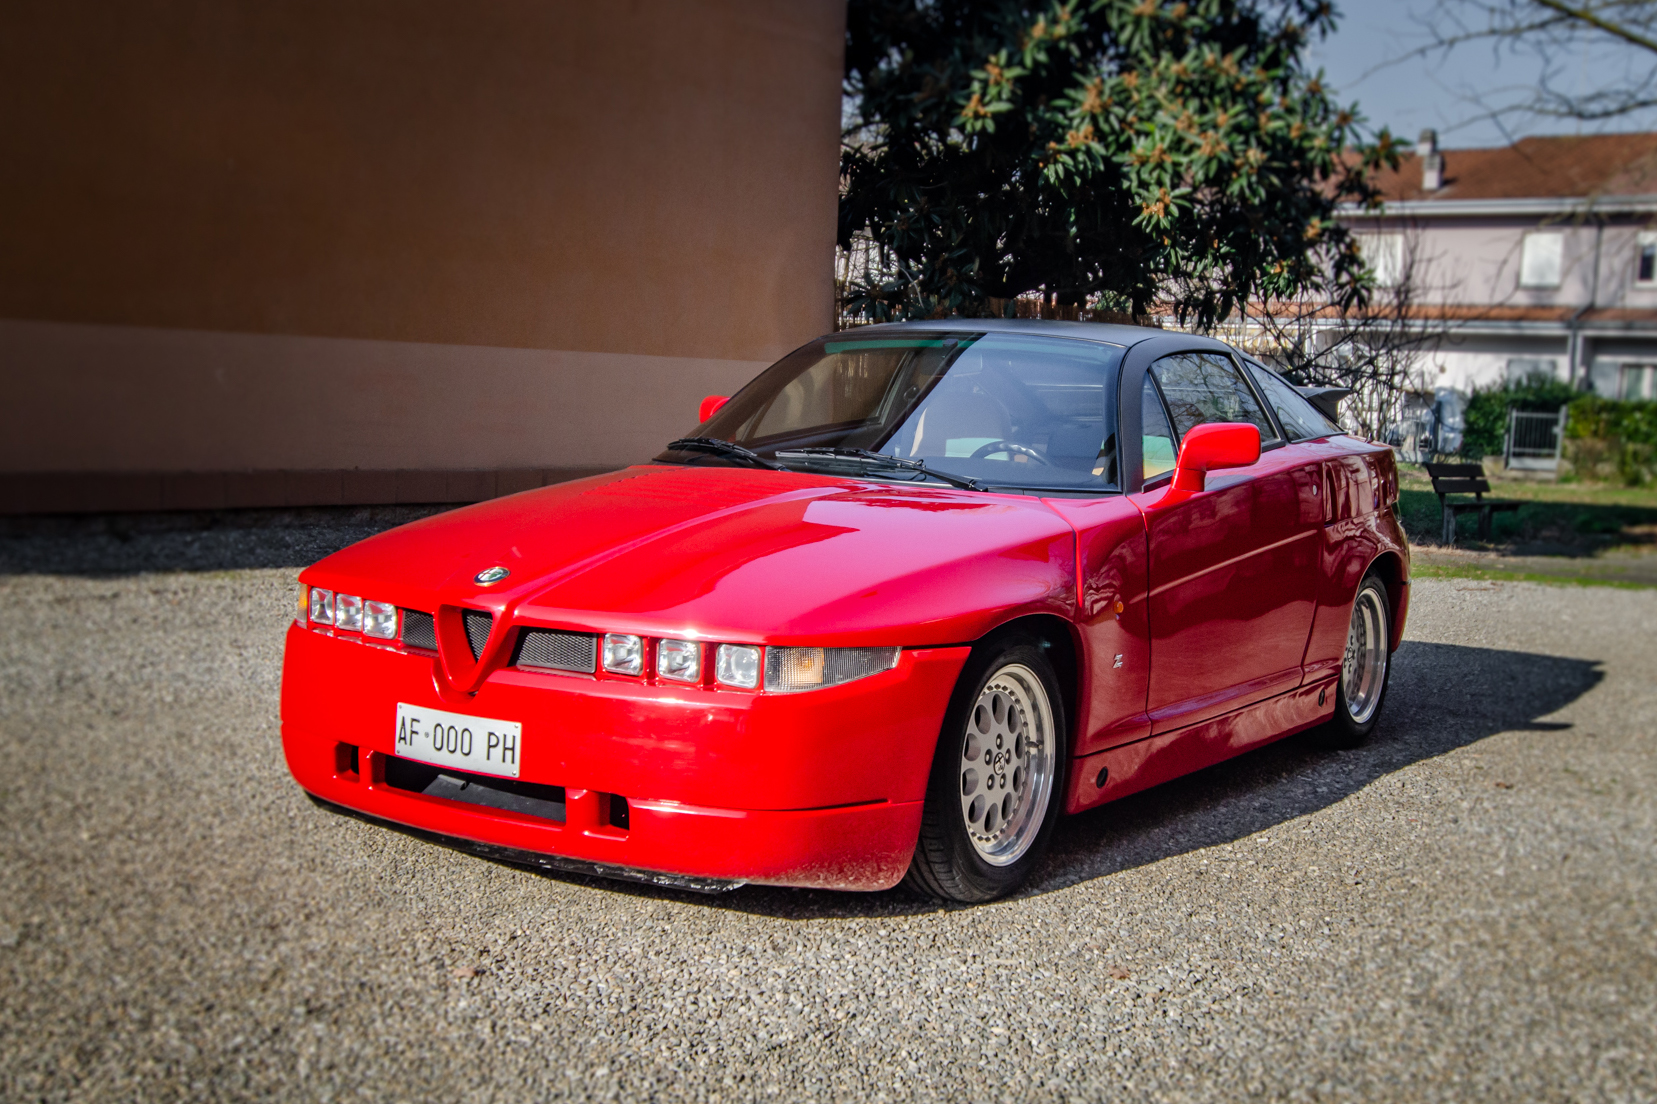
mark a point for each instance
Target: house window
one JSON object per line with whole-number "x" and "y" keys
{"x": 1385, "y": 256}
{"x": 1645, "y": 260}
{"x": 1539, "y": 260}
{"x": 1639, "y": 381}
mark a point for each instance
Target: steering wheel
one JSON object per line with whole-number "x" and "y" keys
{"x": 1008, "y": 446}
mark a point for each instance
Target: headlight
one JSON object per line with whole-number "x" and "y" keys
{"x": 737, "y": 665}
{"x": 788, "y": 670}
{"x": 623, "y": 654}
{"x": 679, "y": 660}
{"x": 379, "y": 619}
{"x": 322, "y": 606}
{"x": 348, "y": 612}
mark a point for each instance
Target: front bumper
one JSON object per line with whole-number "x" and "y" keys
{"x": 820, "y": 789}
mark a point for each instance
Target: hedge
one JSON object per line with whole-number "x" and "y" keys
{"x": 1486, "y": 427}
{"x": 1612, "y": 438}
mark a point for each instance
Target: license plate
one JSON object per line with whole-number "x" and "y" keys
{"x": 456, "y": 740}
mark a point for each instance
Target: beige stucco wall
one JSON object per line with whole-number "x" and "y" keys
{"x": 240, "y": 235}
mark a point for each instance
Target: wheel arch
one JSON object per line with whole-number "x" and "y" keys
{"x": 1389, "y": 568}
{"x": 1062, "y": 645}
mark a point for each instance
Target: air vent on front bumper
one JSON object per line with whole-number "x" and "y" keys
{"x": 419, "y": 630}
{"x": 549, "y": 649}
{"x": 477, "y": 629}
{"x": 508, "y": 794}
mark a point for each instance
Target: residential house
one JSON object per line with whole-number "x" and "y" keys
{"x": 1534, "y": 258}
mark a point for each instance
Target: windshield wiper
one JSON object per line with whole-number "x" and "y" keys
{"x": 866, "y": 458}
{"x": 719, "y": 447}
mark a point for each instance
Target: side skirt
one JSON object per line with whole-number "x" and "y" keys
{"x": 1168, "y": 755}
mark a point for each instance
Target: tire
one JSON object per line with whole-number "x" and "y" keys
{"x": 998, "y": 776}
{"x": 1366, "y": 668}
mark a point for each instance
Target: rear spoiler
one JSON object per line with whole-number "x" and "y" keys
{"x": 1326, "y": 399}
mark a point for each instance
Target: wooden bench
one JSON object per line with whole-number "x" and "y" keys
{"x": 1449, "y": 479}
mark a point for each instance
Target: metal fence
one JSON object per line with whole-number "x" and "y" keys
{"x": 1534, "y": 441}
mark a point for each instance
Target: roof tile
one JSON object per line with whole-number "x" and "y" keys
{"x": 1535, "y": 168}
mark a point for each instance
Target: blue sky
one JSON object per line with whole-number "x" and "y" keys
{"x": 1443, "y": 92}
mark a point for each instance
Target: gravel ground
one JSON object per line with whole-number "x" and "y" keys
{"x": 1462, "y": 910}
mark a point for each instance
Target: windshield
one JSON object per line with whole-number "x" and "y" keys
{"x": 1007, "y": 410}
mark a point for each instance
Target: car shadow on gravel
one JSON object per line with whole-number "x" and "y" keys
{"x": 1442, "y": 697}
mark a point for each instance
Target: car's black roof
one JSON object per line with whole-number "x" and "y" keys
{"x": 1107, "y": 332}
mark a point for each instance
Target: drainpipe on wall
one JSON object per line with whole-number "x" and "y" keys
{"x": 1573, "y": 355}
{"x": 1573, "y": 346}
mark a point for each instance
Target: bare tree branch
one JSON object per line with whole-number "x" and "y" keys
{"x": 1555, "y": 33}
{"x": 1378, "y": 351}
{"x": 1593, "y": 19}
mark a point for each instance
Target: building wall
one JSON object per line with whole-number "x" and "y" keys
{"x": 1468, "y": 361}
{"x": 1618, "y": 266}
{"x": 1472, "y": 265}
{"x": 1467, "y": 261}
{"x": 420, "y": 237}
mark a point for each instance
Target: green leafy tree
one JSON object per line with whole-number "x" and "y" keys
{"x": 1105, "y": 153}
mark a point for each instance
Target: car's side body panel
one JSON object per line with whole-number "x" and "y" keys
{"x": 1360, "y": 528}
{"x": 1250, "y": 589}
{"x": 1233, "y": 582}
{"x": 1114, "y": 628}
{"x": 1149, "y": 762}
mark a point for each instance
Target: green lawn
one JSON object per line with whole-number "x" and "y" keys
{"x": 1578, "y": 533}
{"x": 1424, "y": 566}
{"x": 1558, "y": 519}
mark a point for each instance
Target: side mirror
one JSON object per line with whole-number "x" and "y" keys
{"x": 710, "y": 406}
{"x": 1211, "y": 446}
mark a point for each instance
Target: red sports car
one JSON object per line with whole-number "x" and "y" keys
{"x": 909, "y": 596}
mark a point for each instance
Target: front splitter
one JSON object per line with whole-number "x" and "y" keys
{"x": 520, "y": 857}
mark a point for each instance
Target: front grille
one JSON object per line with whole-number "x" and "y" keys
{"x": 477, "y": 629}
{"x": 419, "y": 630}
{"x": 557, "y": 651}
{"x": 528, "y": 798}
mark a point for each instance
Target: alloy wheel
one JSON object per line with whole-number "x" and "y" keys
{"x": 1008, "y": 765}
{"x": 1364, "y": 666}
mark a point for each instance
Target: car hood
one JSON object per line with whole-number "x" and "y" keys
{"x": 730, "y": 553}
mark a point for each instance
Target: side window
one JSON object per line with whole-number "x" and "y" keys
{"x": 1301, "y": 420}
{"x": 1206, "y": 387}
{"x": 1158, "y": 447}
